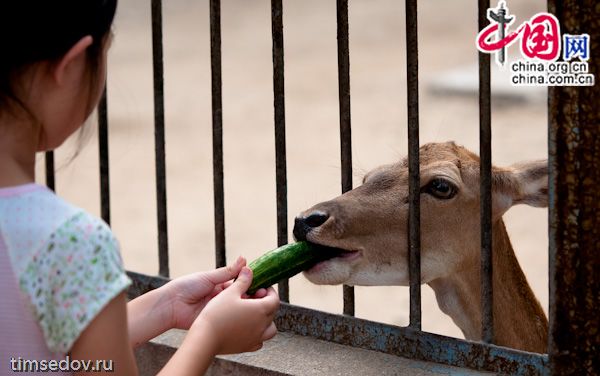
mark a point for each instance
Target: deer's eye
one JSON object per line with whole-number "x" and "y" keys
{"x": 440, "y": 188}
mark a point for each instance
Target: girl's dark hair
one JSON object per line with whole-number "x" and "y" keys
{"x": 32, "y": 31}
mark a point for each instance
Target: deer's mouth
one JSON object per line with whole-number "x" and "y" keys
{"x": 329, "y": 254}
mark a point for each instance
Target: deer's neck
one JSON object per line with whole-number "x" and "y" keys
{"x": 519, "y": 321}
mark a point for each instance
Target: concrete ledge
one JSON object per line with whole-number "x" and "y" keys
{"x": 291, "y": 354}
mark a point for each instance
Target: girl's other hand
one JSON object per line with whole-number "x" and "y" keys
{"x": 178, "y": 303}
{"x": 236, "y": 323}
{"x": 190, "y": 294}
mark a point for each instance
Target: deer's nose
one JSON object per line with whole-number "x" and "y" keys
{"x": 303, "y": 225}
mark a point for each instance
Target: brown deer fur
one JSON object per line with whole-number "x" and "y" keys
{"x": 371, "y": 220}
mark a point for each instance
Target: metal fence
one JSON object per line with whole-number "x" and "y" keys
{"x": 574, "y": 207}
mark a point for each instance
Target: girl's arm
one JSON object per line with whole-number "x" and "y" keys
{"x": 149, "y": 315}
{"x": 230, "y": 323}
{"x": 194, "y": 356}
{"x": 107, "y": 338}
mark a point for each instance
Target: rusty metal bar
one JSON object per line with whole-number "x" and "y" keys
{"x": 414, "y": 183}
{"x": 280, "y": 153}
{"x": 159, "y": 138}
{"x": 217, "y": 131}
{"x": 103, "y": 158}
{"x": 408, "y": 342}
{"x": 345, "y": 123}
{"x": 400, "y": 341}
{"x": 50, "y": 178}
{"x": 142, "y": 283}
{"x": 485, "y": 151}
{"x": 574, "y": 203}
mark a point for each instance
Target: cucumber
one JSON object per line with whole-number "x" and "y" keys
{"x": 285, "y": 262}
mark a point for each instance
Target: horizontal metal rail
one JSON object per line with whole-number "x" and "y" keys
{"x": 389, "y": 339}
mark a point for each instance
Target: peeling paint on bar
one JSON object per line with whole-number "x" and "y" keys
{"x": 574, "y": 207}
{"x": 408, "y": 342}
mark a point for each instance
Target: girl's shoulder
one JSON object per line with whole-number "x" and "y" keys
{"x": 32, "y": 215}
{"x": 34, "y": 211}
{"x": 66, "y": 261}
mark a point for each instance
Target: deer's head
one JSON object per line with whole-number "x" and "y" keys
{"x": 369, "y": 225}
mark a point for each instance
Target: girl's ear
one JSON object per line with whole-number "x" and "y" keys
{"x": 525, "y": 183}
{"x": 75, "y": 54}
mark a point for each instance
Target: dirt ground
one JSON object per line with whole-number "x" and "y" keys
{"x": 378, "y": 87}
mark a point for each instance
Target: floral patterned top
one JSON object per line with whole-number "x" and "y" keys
{"x": 65, "y": 262}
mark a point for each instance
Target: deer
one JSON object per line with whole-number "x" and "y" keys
{"x": 368, "y": 228}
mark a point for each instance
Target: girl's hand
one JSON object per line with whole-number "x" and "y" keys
{"x": 234, "y": 323}
{"x": 230, "y": 323}
{"x": 178, "y": 303}
{"x": 190, "y": 294}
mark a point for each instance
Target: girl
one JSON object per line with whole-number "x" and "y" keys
{"x": 63, "y": 285}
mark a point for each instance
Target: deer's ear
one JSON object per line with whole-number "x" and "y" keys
{"x": 525, "y": 183}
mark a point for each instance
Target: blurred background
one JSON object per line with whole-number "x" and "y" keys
{"x": 448, "y": 111}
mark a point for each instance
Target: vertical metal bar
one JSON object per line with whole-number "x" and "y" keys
{"x": 485, "y": 151}
{"x": 49, "y": 159}
{"x": 345, "y": 124}
{"x": 159, "y": 138}
{"x": 280, "y": 153}
{"x": 217, "y": 131}
{"x": 414, "y": 183}
{"x": 103, "y": 157}
{"x": 574, "y": 203}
